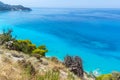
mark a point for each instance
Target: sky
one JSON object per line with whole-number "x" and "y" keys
{"x": 67, "y": 3}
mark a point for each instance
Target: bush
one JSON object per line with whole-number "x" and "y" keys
{"x": 113, "y": 76}
{"x": 24, "y": 46}
{"x": 6, "y": 36}
{"x": 39, "y": 51}
{"x": 105, "y": 77}
{"x": 43, "y": 47}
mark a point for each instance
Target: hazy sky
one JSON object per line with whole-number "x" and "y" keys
{"x": 67, "y": 3}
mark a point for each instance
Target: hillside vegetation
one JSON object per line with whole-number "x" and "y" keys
{"x": 23, "y": 60}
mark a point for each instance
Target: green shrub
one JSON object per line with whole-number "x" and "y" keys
{"x": 113, "y": 76}
{"x": 42, "y": 47}
{"x": 24, "y": 46}
{"x": 31, "y": 47}
{"x": 39, "y": 51}
{"x": 105, "y": 77}
{"x": 6, "y": 36}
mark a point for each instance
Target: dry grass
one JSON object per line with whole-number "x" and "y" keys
{"x": 48, "y": 69}
{"x": 9, "y": 70}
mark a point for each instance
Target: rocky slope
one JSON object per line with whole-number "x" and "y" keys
{"x": 23, "y": 60}
{"x": 19, "y": 66}
{"x": 7, "y": 7}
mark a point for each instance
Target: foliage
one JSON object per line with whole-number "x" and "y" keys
{"x": 49, "y": 75}
{"x": 105, "y": 77}
{"x": 71, "y": 76}
{"x": 113, "y": 76}
{"x": 39, "y": 51}
{"x": 24, "y": 45}
{"x": 43, "y": 47}
{"x": 6, "y": 36}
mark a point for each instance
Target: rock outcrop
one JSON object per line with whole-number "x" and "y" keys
{"x": 75, "y": 65}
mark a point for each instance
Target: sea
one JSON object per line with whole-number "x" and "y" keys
{"x": 91, "y": 34}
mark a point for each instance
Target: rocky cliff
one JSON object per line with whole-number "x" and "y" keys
{"x": 7, "y": 7}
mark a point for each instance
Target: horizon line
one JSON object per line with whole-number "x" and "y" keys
{"x": 72, "y": 8}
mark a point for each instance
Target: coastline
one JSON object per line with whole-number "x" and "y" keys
{"x": 53, "y": 50}
{"x": 10, "y": 44}
{"x": 51, "y": 34}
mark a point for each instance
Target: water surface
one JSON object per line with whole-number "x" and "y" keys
{"x": 92, "y": 34}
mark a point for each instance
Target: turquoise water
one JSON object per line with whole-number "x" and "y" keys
{"x": 92, "y": 34}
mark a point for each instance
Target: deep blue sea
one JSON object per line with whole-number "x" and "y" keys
{"x": 92, "y": 34}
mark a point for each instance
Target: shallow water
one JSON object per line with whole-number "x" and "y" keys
{"x": 92, "y": 34}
